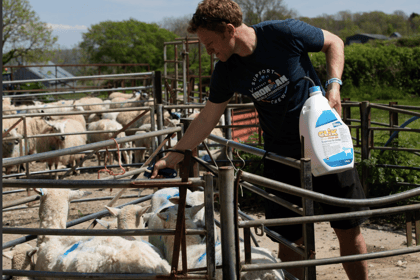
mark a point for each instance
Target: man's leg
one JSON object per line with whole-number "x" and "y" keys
{"x": 287, "y": 255}
{"x": 352, "y": 243}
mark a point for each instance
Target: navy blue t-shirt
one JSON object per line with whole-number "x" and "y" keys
{"x": 272, "y": 77}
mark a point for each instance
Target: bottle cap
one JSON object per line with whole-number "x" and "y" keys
{"x": 314, "y": 90}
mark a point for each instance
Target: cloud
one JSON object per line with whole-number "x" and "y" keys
{"x": 66, "y": 28}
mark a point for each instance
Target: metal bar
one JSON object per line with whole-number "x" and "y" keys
{"x": 308, "y": 209}
{"x": 72, "y": 106}
{"x": 209, "y": 218}
{"x": 365, "y": 135}
{"x": 74, "y": 222}
{"x": 255, "y": 151}
{"x": 92, "y": 146}
{"x": 395, "y": 110}
{"x": 10, "y": 128}
{"x": 329, "y": 217}
{"x": 408, "y": 228}
{"x": 92, "y": 184}
{"x": 227, "y": 206}
{"x": 69, "y": 113}
{"x": 20, "y": 201}
{"x": 395, "y": 129}
{"x": 272, "y": 184}
{"x": 76, "y": 91}
{"x": 295, "y": 208}
{"x": 327, "y": 261}
{"x": 78, "y": 78}
{"x": 98, "y": 232}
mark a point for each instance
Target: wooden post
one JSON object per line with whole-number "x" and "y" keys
{"x": 393, "y": 118}
{"x": 365, "y": 135}
{"x": 346, "y": 112}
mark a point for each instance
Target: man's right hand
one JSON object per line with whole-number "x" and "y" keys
{"x": 168, "y": 161}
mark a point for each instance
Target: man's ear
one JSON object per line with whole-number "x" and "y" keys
{"x": 230, "y": 29}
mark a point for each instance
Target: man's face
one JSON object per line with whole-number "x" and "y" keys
{"x": 219, "y": 44}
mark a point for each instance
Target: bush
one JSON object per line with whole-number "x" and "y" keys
{"x": 380, "y": 66}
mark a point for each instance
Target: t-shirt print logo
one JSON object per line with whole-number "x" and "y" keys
{"x": 269, "y": 86}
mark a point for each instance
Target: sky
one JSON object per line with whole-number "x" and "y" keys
{"x": 71, "y": 18}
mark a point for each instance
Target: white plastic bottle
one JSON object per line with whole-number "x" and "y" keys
{"x": 327, "y": 140}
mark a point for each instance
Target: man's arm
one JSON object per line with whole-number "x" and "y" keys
{"x": 198, "y": 130}
{"x": 334, "y": 53}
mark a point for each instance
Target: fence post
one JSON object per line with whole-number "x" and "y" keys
{"x": 209, "y": 218}
{"x": 308, "y": 209}
{"x": 194, "y": 167}
{"x": 365, "y": 135}
{"x": 346, "y": 112}
{"x": 227, "y": 210}
{"x": 393, "y": 118}
{"x": 157, "y": 82}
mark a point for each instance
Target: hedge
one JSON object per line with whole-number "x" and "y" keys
{"x": 385, "y": 66}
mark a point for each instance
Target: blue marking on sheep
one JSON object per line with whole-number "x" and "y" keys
{"x": 203, "y": 255}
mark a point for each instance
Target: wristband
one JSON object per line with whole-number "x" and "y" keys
{"x": 333, "y": 80}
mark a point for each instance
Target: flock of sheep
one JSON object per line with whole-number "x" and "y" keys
{"x": 78, "y": 123}
{"x": 122, "y": 254}
{"x": 112, "y": 254}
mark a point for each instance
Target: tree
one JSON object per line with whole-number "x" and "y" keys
{"x": 24, "y": 35}
{"x": 255, "y": 11}
{"x": 128, "y": 41}
{"x": 177, "y": 25}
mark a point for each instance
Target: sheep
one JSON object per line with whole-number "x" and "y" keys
{"x": 85, "y": 102}
{"x": 108, "y": 125}
{"x": 117, "y": 102}
{"x": 120, "y": 94}
{"x": 129, "y": 217}
{"x": 196, "y": 251}
{"x": 162, "y": 200}
{"x": 88, "y": 254}
{"x": 140, "y": 155}
{"x": 93, "y": 118}
{"x": 11, "y": 148}
{"x": 7, "y": 106}
{"x": 110, "y": 116}
{"x": 21, "y": 258}
{"x": 79, "y": 118}
{"x": 62, "y": 141}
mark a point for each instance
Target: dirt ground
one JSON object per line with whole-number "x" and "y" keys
{"x": 378, "y": 237}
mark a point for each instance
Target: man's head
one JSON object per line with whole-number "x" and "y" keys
{"x": 214, "y": 15}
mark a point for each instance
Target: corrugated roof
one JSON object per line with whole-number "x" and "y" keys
{"x": 375, "y": 36}
{"x": 49, "y": 72}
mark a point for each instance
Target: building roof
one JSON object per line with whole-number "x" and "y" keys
{"x": 374, "y": 36}
{"x": 49, "y": 72}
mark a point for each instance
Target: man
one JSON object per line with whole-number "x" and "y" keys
{"x": 267, "y": 62}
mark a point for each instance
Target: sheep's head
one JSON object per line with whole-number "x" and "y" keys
{"x": 58, "y": 127}
{"x": 130, "y": 216}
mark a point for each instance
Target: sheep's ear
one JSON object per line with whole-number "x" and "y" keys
{"x": 143, "y": 210}
{"x": 103, "y": 223}
{"x": 195, "y": 209}
{"x": 41, "y": 191}
{"x": 47, "y": 122}
{"x": 114, "y": 211}
{"x": 146, "y": 217}
{"x": 8, "y": 254}
{"x": 164, "y": 216}
{"x": 174, "y": 200}
{"x": 78, "y": 194}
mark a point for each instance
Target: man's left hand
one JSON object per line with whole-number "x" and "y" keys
{"x": 334, "y": 99}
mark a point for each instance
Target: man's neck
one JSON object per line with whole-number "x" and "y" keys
{"x": 246, "y": 40}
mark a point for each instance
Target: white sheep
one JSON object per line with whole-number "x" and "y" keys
{"x": 85, "y": 103}
{"x": 196, "y": 251}
{"x": 61, "y": 142}
{"x": 11, "y": 148}
{"x": 110, "y": 116}
{"x": 125, "y": 118}
{"x": 88, "y": 254}
{"x": 21, "y": 257}
{"x": 108, "y": 125}
{"x": 129, "y": 217}
{"x": 79, "y": 118}
{"x": 120, "y": 94}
